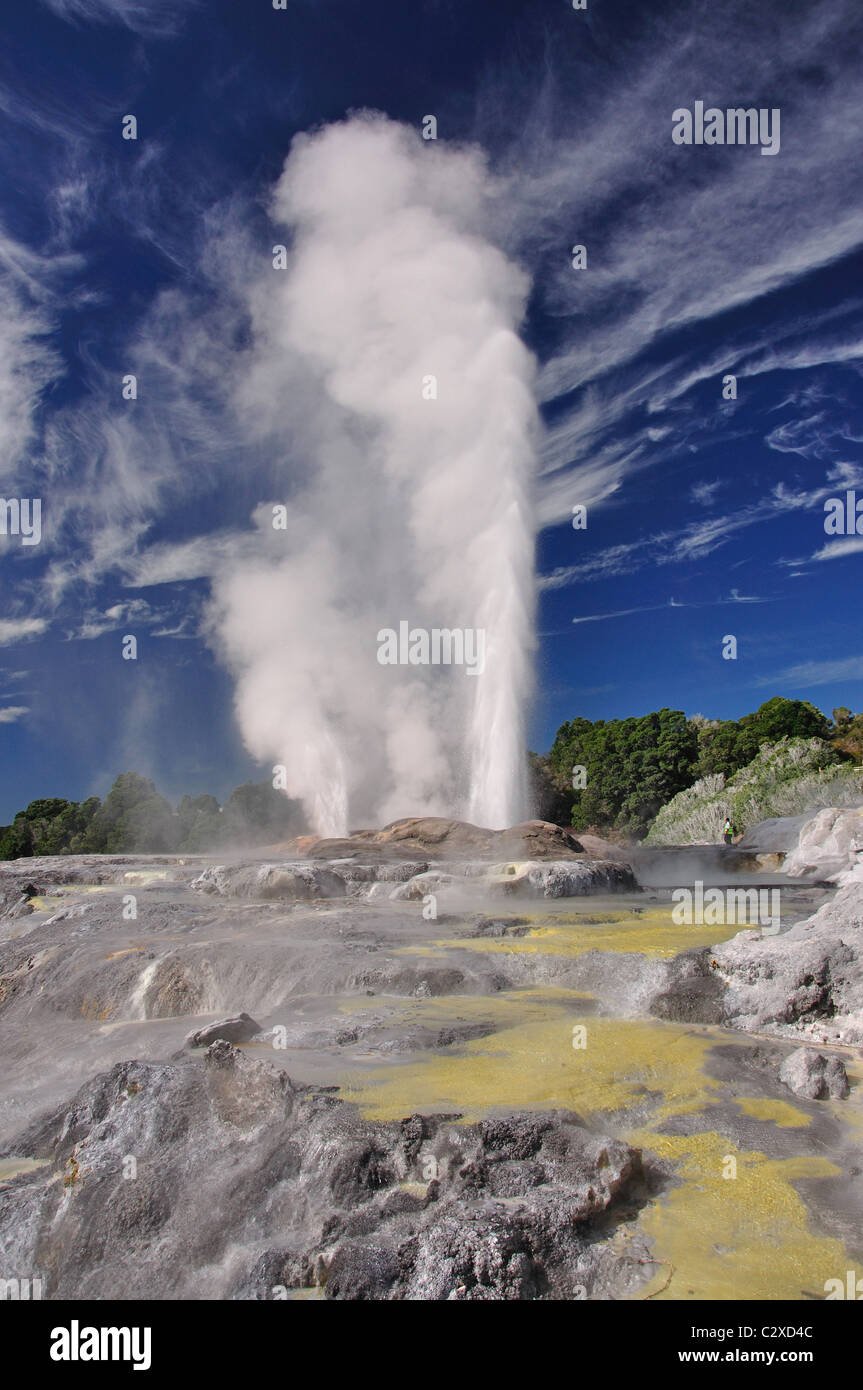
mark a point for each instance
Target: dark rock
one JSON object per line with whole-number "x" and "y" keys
{"x": 206, "y": 1212}
{"x": 362, "y": 1271}
{"x": 463, "y": 1033}
{"x": 500, "y": 926}
{"x": 693, "y": 993}
{"x": 359, "y": 1174}
{"x": 231, "y": 1030}
{"x": 811, "y": 1074}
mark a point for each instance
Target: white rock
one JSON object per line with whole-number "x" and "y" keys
{"x": 829, "y": 844}
{"x": 808, "y": 981}
{"x": 811, "y": 1074}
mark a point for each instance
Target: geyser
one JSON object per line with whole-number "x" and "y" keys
{"x": 387, "y": 377}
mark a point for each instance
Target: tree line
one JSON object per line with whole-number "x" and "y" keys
{"x": 134, "y": 818}
{"x": 605, "y": 775}
{"x": 633, "y": 767}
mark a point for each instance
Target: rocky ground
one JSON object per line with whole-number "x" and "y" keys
{"x": 431, "y": 1072}
{"x": 293, "y": 1189}
{"x": 806, "y": 982}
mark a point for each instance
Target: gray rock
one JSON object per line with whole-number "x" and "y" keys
{"x": 500, "y": 926}
{"x": 247, "y": 1181}
{"x": 233, "y": 1030}
{"x": 270, "y": 881}
{"x": 399, "y": 873}
{"x": 421, "y": 885}
{"x": 807, "y": 981}
{"x": 811, "y": 1074}
{"x": 22, "y": 908}
{"x": 568, "y": 880}
{"x": 692, "y": 992}
{"x": 376, "y": 873}
{"x": 377, "y": 891}
{"x": 829, "y": 844}
{"x": 564, "y": 879}
{"x": 780, "y": 833}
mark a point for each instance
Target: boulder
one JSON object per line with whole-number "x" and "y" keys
{"x": 21, "y": 908}
{"x": 780, "y": 834}
{"x": 500, "y": 926}
{"x": 442, "y": 838}
{"x": 420, "y": 885}
{"x": 811, "y": 1074}
{"x": 537, "y": 839}
{"x": 15, "y": 898}
{"x": 809, "y": 980}
{"x": 692, "y": 992}
{"x": 582, "y": 877}
{"x": 525, "y": 878}
{"x": 570, "y": 879}
{"x": 598, "y": 848}
{"x": 230, "y": 1030}
{"x": 270, "y": 881}
{"x": 828, "y": 844}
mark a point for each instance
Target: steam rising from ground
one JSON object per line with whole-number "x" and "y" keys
{"x": 406, "y": 508}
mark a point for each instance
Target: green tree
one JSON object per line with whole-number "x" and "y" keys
{"x": 632, "y": 766}
{"x": 731, "y": 744}
{"x": 256, "y": 813}
{"x": 135, "y": 818}
{"x": 550, "y": 793}
{"x": 780, "y": 718}
{"x": 200, "y": 823}
{"x": 16, "y": 841}
{"x": 848, "y": 738}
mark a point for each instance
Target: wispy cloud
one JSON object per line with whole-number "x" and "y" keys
{"x": 737, "y": 597}
{"x": 811, "y": 673}
{"x": 704, "y": 493}
{"x": 156, "y": 17}
{"x": 734, "y": 597}
{"x": 14, "y": 630}
{"x": 124, "y": 614}
{"x": 171, "y": 562}
{"x": 641, "y": 206}
{"x": 835, "y": 550}
{"x": 12, "y": 713}
{"x": 27, "y": 362}
{"x": 612, "y": 561}
{"x": 699, "y": 539}
{"x": 626, "y": 612}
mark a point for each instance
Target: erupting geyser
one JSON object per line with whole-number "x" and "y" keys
{"x": 387, "y": 372}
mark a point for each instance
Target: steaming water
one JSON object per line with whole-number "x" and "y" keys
{"x": 137, "y": 999}
{"x": 387, "y": 371}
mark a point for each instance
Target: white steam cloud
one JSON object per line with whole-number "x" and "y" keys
{"x": 406, "y": 508}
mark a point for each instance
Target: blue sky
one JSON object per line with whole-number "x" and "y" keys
{"x": 705, "y": 515}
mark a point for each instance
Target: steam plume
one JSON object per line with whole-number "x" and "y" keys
{"x": 399, "y": 507}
